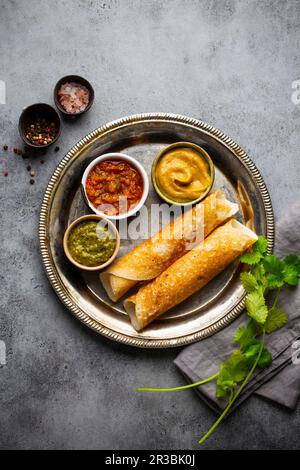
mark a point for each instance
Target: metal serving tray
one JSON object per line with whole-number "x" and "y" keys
{"x": 143, "y": 136}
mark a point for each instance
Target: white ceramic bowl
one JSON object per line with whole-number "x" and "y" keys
{"x": 136, "y": 165}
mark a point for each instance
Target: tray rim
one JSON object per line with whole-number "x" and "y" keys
{"x": 49, "y": 265}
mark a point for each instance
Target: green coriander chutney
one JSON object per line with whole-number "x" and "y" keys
{"x": 91, "y": 243}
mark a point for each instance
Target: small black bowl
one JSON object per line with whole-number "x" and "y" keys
{"x": 38, "y": 111}
{"x": 80, "y": 81}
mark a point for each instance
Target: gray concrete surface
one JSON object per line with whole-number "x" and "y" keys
{"x": 230, "y": 63}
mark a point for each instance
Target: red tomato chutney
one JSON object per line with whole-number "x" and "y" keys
{"x": 114, "y": 186}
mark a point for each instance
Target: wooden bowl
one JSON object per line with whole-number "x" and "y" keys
{"x": 80, "y": 81}
{"x": 33, "y": 112}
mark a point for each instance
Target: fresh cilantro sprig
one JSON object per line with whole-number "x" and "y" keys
{"x": 266, "y": 273}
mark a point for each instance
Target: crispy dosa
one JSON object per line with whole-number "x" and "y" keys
{"x": 189, "y": 273}
{"x": 156, "y": 254}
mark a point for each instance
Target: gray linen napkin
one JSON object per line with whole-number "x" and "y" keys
{"x": 281, "y": 381}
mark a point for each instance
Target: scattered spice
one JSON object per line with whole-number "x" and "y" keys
{"x": 73, "y": 97}
{"x": 28, "y": 167}
{"x": 56, "y": 149}
{"x": 5, "y": 147}
{"x": 5, "y": 173}
{"x": 19, "y": 152}
{"x": 31, "y": 181}
{"x": 32, "y": 173}
{"x": 42, "y": 162}
{"x": 41, "y": 132}
{"x": 15, "y": 150}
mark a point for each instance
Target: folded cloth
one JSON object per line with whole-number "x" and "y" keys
{"x": 281, "y": 381}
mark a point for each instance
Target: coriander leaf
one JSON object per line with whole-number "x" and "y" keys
{"x": 260, "y": 274}
{"x": 256, "y": 307}
{"x": 276, "y": 319}
{"x": 252, "y": 352}
{"x": 291, "y": 278}
{"x": 225, "y": 383}
{"x": 246, "y": 334}
{"x": 249, "y": 282}
{"x": 250, "y": 258}
{"x": 273, "y": 265}
{"x": 275, "y": 271}
{"x": 236, "y": 365}
{"x": 265, "y": 359}
{"x": 231, "y": 372}
{"x": 261, "y": 245}
{"x": 280, "y": 271}
{"x": 274, "y": 282}
{"x": 293, "y": 260}
{"x": 291, "y": 269}
{"x": 258, "y": 251}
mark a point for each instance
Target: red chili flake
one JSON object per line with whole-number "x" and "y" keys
{"x": 5, "y": 147}
{"x": 15, "y": 150}
{"x": 5, "y": 173}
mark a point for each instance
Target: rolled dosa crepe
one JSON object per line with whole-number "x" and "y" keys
{"x": 189, "y": 273}
{"x": 156, "y": 254}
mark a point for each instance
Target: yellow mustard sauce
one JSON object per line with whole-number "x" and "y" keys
{"x": 183, "y": 174}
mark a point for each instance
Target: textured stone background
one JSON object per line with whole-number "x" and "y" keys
{"x": 230, "y": 63}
